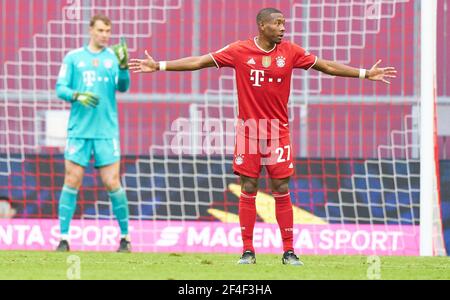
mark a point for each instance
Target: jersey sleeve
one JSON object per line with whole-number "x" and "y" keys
{"x": 64, "y": 83}
{"x": 225, "y": 57}
{"x": 302, "y": 58}
{"x": 123, "y": 80}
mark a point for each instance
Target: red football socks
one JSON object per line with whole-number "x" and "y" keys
{"x": 247, "y": 218}
{"x": 285, "y": 218}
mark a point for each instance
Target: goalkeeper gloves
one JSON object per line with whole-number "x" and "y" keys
{"x": 87, "y": 99}
{"x": 121, "y": 51}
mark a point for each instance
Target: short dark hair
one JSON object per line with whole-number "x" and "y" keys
{"x": 102, "y": 18}
{"x": 266, "y": 12}
{"x": 4, "y": 198}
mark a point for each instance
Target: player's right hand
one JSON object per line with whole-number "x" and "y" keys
{"x": 147, "y": 65}
{"x": 87, "y": 99}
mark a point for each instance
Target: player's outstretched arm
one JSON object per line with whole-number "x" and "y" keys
{"x": 375, "y": 73}
{"x": 149, "y": 65}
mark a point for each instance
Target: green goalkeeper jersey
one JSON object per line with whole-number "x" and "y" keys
{"x": 98, "y": 73}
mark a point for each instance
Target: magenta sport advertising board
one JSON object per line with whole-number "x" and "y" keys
{"x": 212, "y": 237}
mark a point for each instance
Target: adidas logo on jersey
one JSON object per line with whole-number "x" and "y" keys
{"x": 291, "y": 166}
{"x": 251, "y": 62}
{"x": 81, "y": 64}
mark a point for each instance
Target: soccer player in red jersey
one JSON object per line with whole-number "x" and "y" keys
{"x": 264, "y": 66}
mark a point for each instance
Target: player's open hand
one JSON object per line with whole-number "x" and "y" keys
{"x": 382, "y": 74}
{"x": 147, "y": 65}
{"x": 121, "y": 51}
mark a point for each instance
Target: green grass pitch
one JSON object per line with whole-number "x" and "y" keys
{"x": 49, "y": 265}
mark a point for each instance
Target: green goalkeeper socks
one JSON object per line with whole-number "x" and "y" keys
{"x": 120, "y": 208}
{"x": 66, "y": 209}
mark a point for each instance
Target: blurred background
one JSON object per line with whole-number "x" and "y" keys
{"x": 356, "y": 143}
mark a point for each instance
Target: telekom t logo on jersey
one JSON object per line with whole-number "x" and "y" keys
{"x": 89, "y": 78}
{"x": 257, "y": 76}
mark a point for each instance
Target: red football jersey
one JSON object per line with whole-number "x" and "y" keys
{"x": 263, "y": 84}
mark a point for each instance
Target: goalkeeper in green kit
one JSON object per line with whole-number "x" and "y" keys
{"x": 89, "y": 79}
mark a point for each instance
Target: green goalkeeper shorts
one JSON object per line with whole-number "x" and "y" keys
{"x": 105, "y": 151}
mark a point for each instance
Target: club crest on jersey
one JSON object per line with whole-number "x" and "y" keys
{"x": 239, "y": 160}
{"x": 267, "y": 61}
{"x": 281, "y": 61}
{"x": 108, "y": 63}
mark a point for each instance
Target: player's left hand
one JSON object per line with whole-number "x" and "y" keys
{"x": 121, "y": 51}
{"x": 382, "y": 74}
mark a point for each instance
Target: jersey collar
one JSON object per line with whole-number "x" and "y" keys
{"x": 256, "y": 44}
{"x": 86, "y": 47}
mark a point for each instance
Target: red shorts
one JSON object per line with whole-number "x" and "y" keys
{"x": 250, "y": 155}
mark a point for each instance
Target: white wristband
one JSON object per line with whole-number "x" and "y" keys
{"x": 362, "y": 73}
{"x": 162, "y": 65}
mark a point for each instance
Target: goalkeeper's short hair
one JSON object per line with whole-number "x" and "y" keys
{"x": 102, "y": 18}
